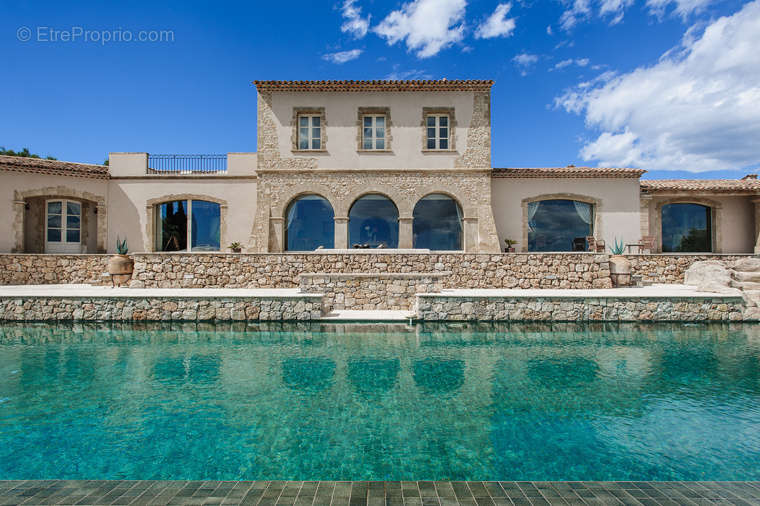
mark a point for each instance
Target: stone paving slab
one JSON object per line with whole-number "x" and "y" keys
{"x": 76, "y": 291}
{"x": 370, "y": 493}
{"x": 643, "y": 292}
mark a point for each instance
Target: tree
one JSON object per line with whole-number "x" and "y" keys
{"x": 23, "y": 153}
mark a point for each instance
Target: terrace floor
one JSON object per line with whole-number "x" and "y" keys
{"x": 420, "y": 493}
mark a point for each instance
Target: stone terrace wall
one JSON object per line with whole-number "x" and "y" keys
{"x": 615, "y": 309}
{"x": 282, "y": 270}
{"x": 670, "y": 269}
{"x": 368, "y": 291}
{"x": 20, "y": 269}
{"x": 139, "y": 308}
{"x": 209, "y": 270}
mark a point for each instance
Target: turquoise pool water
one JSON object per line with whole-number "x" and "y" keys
{"x": 508, "y": 402}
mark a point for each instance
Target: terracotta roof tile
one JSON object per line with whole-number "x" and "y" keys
{"x": 413, "y": 85}
{"x": 701, "y": 185}
{"x": 569, "y": 172}
{"x": 52, "y": 167}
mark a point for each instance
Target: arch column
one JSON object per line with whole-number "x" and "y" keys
{"x": 276, "y": 234}
{"x": 19, "y": 208}
{"x": 405, "y": 238}
{"x": 470, "y": 226}
{"x": 756, "y": 203}
{"x": 341, "y": 232}
{"x": 102, "y": 228}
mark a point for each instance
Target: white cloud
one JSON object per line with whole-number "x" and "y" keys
{"x": 497, "y": 24}
{"x": 354, "y": 23}
{"x": 342, "y": 56}
{"x": 683, "y": 8}
{"x": 581, "y": 62}
{"x": 524, "y": 61}
{"x": 697, "y": 109}
{"x": 614, "y": 10}
{"x": 426, "y": 26}
{"x": 407, "y": 74}
{"x": 549, "y": 30}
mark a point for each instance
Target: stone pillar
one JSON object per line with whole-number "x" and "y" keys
{"x": 276, "y": 234}
{"x": 19, "y": 209}
{"x": 756, "y": 203}
{"x": 470, "y": 234}
{"x": 405, "y": 239}
{"x": 341, "y": 232}
{"x": 102, "y": 233}
{"x": 644, "y": 204}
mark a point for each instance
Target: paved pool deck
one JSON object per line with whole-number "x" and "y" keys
{"x": 370, "y": 493}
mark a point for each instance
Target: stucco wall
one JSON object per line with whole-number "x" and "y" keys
{"x": 14, "y": 186}
{"x": 618, "y": 209}
{"x": 130, "y": 199}
{"x": 734, "y": 219}
{"x": 341, "y": 116}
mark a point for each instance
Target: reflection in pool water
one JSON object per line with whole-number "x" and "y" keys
{"x": 311, "y": 401}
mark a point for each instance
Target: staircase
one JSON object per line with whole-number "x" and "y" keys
{"x": 745, "y": 275}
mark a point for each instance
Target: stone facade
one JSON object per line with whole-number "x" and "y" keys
{"x": 614, "y": 309}
{"x": 120, "y": 308}
{"x": 229, "y": 270}
{"x": 371, "y": 291}
{"x": 54, "y": 269}
{"x": 670, "y": 269}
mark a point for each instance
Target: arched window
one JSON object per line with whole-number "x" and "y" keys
{"x": 183, "y": 222}
{"x": 310, "y": 224}
{"x": 437, "y": 223}
{"x": 686, "y": 228}
{"x": 559, "y": 225}
{"x": 373, "y": 222}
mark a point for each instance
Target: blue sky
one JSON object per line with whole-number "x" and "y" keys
{"x": 665, "y": 85}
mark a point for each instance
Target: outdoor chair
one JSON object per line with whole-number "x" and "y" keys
{"x": 595, "y": 245}
{"x": 646, "y": 243}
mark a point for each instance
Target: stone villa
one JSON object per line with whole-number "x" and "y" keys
{"x": 402, "y": 165}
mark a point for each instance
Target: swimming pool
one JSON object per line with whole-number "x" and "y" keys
{"x": 380, "y": 402}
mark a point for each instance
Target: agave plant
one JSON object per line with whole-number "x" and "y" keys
{"x": 618, "y": 248}
{"x": 121, "y": 246}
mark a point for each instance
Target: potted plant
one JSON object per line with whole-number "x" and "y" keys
{"x": 620, "y": 266}
{"x": 236, "y": 247}
{"x": 120, "y": 266}
{"x": 510, "y": 245}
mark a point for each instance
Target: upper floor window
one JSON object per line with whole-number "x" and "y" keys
{"x": 373, "y": 132}
{"x": 309, "y": 132}
{"x": 438, "y": 131}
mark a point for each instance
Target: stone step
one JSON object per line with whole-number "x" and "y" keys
{"x": 745, "y": 285}
{"x": 749, "y": 264}
{"x": 752, "y": 297}
{"x": 753, "y": 277}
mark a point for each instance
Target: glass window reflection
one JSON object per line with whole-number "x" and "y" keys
{"x": 686, "y": 228}
{"x": 559, "y": 225}
{"x": 373, "y": 222}
{"x": 310, "y": 224}
{"x": 437, "y": 223}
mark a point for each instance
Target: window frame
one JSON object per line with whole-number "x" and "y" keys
{"x": 439, "y": 112}
{"x": 188, "y": 203}
{"x": 309, "y": 112}
{"x": 64, "y": 225}
{"x": 374, "y": 112}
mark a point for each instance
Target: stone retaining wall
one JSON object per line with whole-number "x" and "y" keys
{"x": 119, "y": 308}
{"x": 670, "y": 269}
{"x": 371, "y": 291}
{"x": 282, "y": 270}
{"x": 222, "y": 270}
{"x": 463, "y": 308}
{"x": 20, "y": 269}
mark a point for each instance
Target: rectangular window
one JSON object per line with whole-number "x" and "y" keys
{"x": 373, "y": 132}
{"x": 309, "y": 132}
{"x": 437, "y": 126}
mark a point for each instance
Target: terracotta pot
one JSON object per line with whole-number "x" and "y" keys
{"x": 120, "y": 267}
{"x": 620, "y": 270}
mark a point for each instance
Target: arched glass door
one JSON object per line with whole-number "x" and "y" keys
{"x": 310, "y": 224}
{"x": 373, "y": 222}
{"x": 559, "y": 225}
{"x": 686, "y": 228}
{"x": 437, "y": 223}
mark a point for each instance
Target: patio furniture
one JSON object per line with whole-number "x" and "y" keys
{"x": 579, "y": 244}
{"x": 646, "y": 243}
{"x": 595, "y": 245}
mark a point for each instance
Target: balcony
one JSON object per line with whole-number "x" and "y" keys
{"x": 141, "y": 165}
{"x": 187, "y": 164}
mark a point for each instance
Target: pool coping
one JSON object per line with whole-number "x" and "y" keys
{"x": 356, "y": 493}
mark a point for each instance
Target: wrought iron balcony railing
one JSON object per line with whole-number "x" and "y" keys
{"x": 187, "y": 164}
